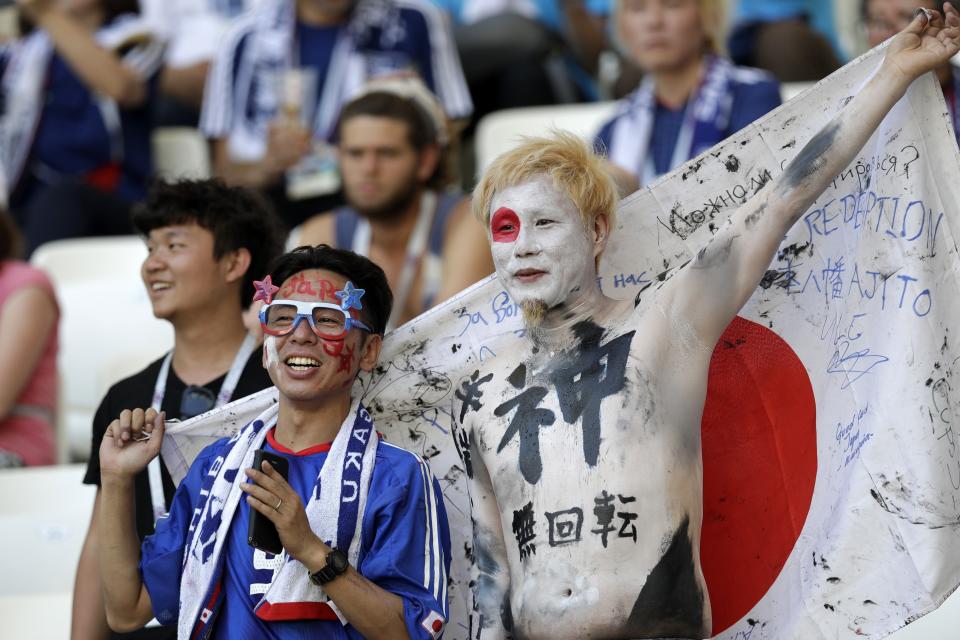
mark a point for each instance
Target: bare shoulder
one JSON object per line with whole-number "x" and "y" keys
{"x": 318, "y": 229}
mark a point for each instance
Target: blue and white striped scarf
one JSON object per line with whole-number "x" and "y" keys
{"x": 706, "y": 116}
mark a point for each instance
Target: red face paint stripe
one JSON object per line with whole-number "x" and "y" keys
{"x": 504, "y": 225}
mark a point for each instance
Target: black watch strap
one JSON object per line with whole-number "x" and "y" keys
{"x": 337, "y": 564}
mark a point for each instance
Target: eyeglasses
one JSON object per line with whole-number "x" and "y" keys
{"x": 327, "y": 320}
{"x": 196, "y": 400}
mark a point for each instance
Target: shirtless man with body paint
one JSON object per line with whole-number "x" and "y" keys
{"x": 583, "y": 449}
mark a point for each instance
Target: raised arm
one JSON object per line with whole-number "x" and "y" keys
{"x": 125, "y": 451}
{"x": 713, "y": 287}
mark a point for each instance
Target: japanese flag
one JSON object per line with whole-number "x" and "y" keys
{"x": 433, "y": 624}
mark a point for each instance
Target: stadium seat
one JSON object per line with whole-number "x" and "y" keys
{"x": 107, "y": 328}
{"x": 501, "y": 130}
{"x": 180, "y": 152}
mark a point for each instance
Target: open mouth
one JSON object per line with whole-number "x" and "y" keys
{"x": 299, "y": 363}
{"x": 160, "y": 286}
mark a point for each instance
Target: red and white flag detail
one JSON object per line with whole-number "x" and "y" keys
{"x": 433, "y": 624}
{"x": 831, "y": 467}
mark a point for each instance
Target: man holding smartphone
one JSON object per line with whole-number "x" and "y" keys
{"x": 362, "y": 523}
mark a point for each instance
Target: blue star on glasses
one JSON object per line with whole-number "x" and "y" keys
{"x": 350, "y": 297}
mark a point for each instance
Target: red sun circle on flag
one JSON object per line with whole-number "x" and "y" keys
{"x": 759, "y": 465}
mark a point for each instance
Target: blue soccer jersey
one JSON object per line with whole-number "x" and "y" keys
{"x": 405, "y": 550}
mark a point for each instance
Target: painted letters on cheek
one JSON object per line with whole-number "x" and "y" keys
{"x": 346, "y": 360}
{"x": 504, "y": 225}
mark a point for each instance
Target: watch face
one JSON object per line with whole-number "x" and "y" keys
{"x": 337, "y": 560}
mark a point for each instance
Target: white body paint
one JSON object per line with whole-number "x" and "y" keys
{"x": 270, "y": 348}
{"x": 649, "y": 447}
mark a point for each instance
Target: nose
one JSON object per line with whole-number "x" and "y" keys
{"x": 527, "y": 243}
{"x": 369, "y": 163}
{"x": 153, "y": 262}
{"x": 302, "y": 333}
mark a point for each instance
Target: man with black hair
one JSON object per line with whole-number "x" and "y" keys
{"x": 392, "y": 150}
{"x": 362, "y": 523}
{"x": 205, "y": 243}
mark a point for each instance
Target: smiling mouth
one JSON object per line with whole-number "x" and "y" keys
{"x": 298, "y": 363}
{"x": 160, "y": 286}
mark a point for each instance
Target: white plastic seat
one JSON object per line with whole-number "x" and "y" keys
{"x": 180, "y": 152}
{"x": 107, "y": 328}
{"x": 502, "y": 130}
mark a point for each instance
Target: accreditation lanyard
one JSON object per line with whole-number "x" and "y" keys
{"x": 416, "y": 249}
{"x": 229, "y": 385}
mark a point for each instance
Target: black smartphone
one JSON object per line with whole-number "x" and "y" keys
{"x": 261, "y": 533}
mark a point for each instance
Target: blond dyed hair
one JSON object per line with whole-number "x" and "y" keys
{"x": 562, "y": 157}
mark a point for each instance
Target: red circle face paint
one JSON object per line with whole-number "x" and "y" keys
{"x": 504, "y": 225}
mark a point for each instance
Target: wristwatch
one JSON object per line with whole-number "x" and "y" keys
{"x": 337, "y": 564}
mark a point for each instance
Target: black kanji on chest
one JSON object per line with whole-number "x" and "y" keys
{"x": 470, "y": 393}
{"x": 526, "y": 423}
{"x": 583, "y": 377}
{"x": 588, "y": 374}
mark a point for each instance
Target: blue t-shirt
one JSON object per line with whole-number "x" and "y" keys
{"x": 315, "y": 47}
{"x": 405, "y": 547}
{"x": 73, "y": 138}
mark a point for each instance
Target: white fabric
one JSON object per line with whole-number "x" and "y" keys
{"x": 291, "y": 584}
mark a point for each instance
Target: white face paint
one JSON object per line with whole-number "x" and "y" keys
{"x": 540, "y": 247}
{"x": 270, "y": 345}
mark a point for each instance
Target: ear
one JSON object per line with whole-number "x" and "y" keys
{"x": 601, "y": 231}
{"x": 371, "y": 352}
{"x": 235, "y": 264}
{"x": 427, "y": 162}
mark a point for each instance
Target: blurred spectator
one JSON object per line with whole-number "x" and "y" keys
{"x": 207, "y": 243}
{"x": 884, "y": 18}
{"x": 286, "y": 69}
{"x": 192, "y": 31}
{"x": 393, "y": 158}
{"x": 690, "y": 98}
{"x": 75, "y": 123}
{"x": 794, "y": 39}
{"x": 28, "y": 357}
{"x": 519, "y": 53}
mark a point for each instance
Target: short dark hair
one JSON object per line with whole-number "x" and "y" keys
{"x": 421, "y": 130}
{"x": 238, "y": 218}
{"x": 11, "y": 245}
{"x": 361, "y": 271}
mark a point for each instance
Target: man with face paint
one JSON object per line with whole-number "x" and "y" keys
{"x": 362, "y": 523}
{"x": 582, "y": 450}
